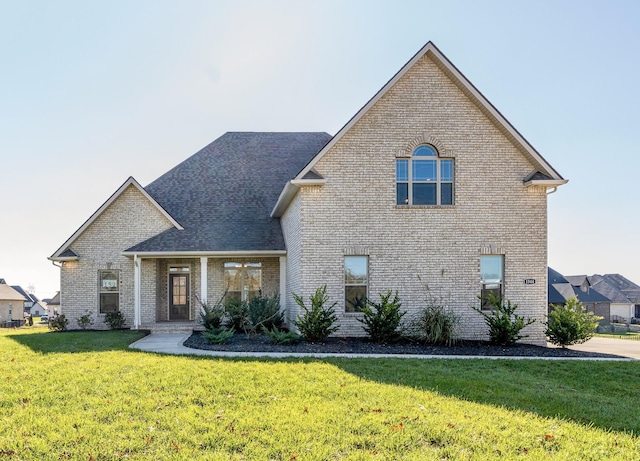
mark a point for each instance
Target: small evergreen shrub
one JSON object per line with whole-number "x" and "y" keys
{"x": 504, "y": 324}
{"x": 382, "y": 320}
{"x": 217, "y": 335}
{"x": 211, "y": 316}
{"x": 283, "y": 337}
{"x": 437, "y": 325}
{"x": 237, "y": 315}
{"x": 115, "y": 320}
{"x": 264, "y": 312}
{"x": 58, "y": 323}
{"x": 570, "y": 324}
{"x": 317, "y": 322}
{"x": 85, "y": 321}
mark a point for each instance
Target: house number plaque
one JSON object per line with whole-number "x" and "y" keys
{"x": 529, "y": 281}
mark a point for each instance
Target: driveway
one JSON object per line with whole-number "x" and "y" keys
{"x": 622, "y": 347}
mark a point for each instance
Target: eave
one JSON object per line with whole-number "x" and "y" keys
{"x": 202, "y": 254}
{"x": 290, "y": 190}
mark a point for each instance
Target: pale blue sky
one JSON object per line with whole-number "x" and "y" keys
{"x": 94, "y": 92}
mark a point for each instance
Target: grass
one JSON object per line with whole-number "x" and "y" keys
{"x": 631, "y": 335}
{"x": 85, "y": 396}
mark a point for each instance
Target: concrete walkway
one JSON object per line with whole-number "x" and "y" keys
{"x": 172, "y": 344}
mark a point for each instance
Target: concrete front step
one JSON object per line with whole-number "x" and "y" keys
{"x": 171, "y": 327}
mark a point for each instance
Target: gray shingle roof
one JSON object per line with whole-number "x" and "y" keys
{"x": 223, "y": 194}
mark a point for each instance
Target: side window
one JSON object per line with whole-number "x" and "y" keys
{"x": 491, "y": 276}
{"x": 356, "y": 281}
{"x": 109, "y": 290}
{"x": 425, "y": 179}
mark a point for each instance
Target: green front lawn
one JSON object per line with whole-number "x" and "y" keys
{"x": 85, "y": 396}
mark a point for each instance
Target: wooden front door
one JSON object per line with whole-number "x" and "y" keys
{"x": 178, "y": 296}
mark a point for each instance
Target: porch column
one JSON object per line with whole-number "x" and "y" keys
{"x": 136, "y": 292}
{"x": 283, "y": 283}
{"x": 203, "y": 279}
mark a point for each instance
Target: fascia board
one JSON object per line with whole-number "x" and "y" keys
{"x": 213, "y": 254}
{"x": 105, "y": 205}
{"x": 289, "y": 191}
{"x": 546, "y": 182}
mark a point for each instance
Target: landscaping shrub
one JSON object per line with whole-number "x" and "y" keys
{"x": 504, "y": 324}
{"x": 211, "y": 317}
{"x": 217, "y": 335}
{"x": 382, "y": 320}
{"x": 85, "y": 321}
{"x": 284, "y": 337}
{"x": 58, "y": 323}
{"x": 237, "y": 315}
{"x": 317, "y": 322}
{"x": 437, "y": 325}
{"x": 264, "y": 312}
{"x": 115, "y": 320}
{"x": 570, "y": 324}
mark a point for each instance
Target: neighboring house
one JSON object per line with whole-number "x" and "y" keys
{"x": 11, "y": 306}
{"x": 37, "y": 310}
{"x": 629, "y": 289}
{"x": 610, "y": 296}
{"x": 427, "y": 190}
{"x": 53, "y": 306}
{"x": 562, "y": 288}
{"x": 30, "y": 299}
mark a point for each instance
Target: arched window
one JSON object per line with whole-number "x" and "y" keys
{"x": 425, "y": 179}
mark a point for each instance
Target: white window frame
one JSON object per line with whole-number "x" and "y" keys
{"x": 354, "y": 283}
{"x": 243, "y": 268}
{"x": 491, "y": 285}
{"x": 103, "y": 289}
{"x": 439, "y": 182}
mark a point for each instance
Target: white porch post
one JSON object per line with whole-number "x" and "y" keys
{"x": 203, "y": 279}
{"x": 283, "y": 283}
{"x": 137, "y": 297}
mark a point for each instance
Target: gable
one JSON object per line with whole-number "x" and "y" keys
{"x": 139, "y": 203}
{"x": 429, "y": 51}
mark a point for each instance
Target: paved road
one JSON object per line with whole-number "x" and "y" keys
{"x": 172, "y": 344}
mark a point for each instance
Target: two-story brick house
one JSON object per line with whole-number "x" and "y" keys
{"x": 427, "y": 185}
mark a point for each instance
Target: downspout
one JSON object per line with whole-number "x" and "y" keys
{"x": 554, "y": 189}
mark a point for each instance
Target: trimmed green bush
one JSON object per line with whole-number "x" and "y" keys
{"x": 571, "y": 323}
{"x": 211, "y": 316}
{"x": 58, "y": 323}
{"x": 317, "y": 322}
{"x": 115, "y": 320}
{"x": 217, "y": 335}
{"x": 504, "y": 324}
{"x": 85, "y": 321}
{"x": 283, "y": 337}
{"x": 237, "y": 315}
{"x": 382, "y": 320}
{"x": 264, "y": 312}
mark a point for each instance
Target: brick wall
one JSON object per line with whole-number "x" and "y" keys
{"x": 130, "y": 219}
{"x": 413, "y": 247}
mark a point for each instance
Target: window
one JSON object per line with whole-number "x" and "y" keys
{"x": 425, "y": 179}
{"x": 109, "y": 288}
{"x": 242, "y": 281}
{"x": 492, "y": 277}
{"x": 356, "y": 275}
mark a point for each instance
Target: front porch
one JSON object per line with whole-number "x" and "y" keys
{"x": 169, "y": 290}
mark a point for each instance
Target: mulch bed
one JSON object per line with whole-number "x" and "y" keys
{"x": 261, "y": 343}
